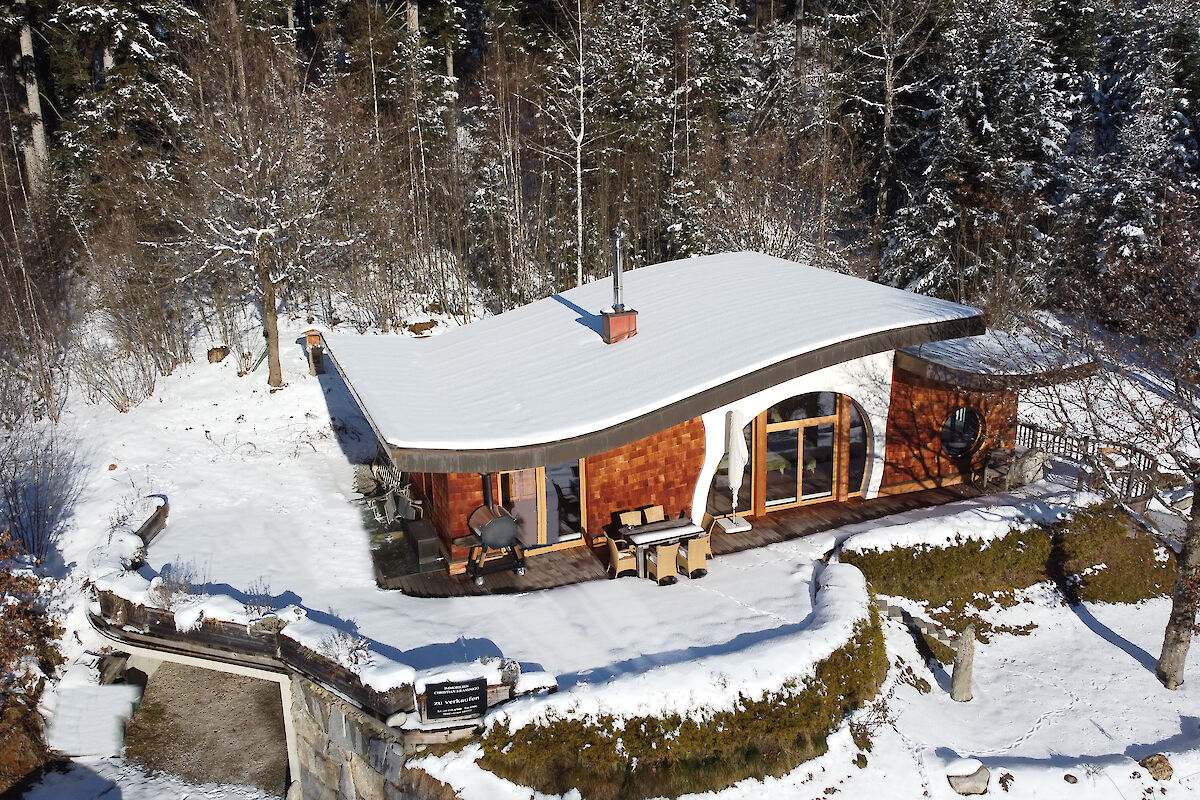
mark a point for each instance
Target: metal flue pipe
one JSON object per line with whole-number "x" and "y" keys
{"x": 618, "y": 304}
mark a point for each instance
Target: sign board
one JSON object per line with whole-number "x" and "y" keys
{"x": 456, "y": 699}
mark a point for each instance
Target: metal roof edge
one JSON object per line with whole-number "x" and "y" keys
{"x": 623, "y": 433}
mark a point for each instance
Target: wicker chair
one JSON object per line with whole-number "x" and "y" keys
{"x": 654, "y": 514}
{"x": 621, "y": 558}
{"x": 661, "y": 564}
{"x": 693, "y": 555}
{"x": 630, "y": 518}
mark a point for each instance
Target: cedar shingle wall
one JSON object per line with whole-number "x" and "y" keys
{"x": 454, "y": 497}
{"x": 661, "y": 469}
{"x": 918, "y": 410}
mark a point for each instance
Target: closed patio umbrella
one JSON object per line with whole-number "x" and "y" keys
{"x": 735, "y": 447}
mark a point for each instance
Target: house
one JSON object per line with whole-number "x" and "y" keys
{"x": 825, "y": 370}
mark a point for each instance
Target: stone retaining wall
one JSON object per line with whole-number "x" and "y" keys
{"x": 345, "y": 754}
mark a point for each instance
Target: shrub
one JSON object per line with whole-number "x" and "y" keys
{"x": 1110, "y": 560}
{"x": 959, "y": 580}
{"x": 1098, "y": 555}
{"x": 651, "y": 757}
{"x": 27, "y": 654}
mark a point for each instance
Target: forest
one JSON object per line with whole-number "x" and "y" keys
{"x": 177, "y": 173}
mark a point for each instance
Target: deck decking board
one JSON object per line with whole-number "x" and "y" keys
{"x": 805, "y": 520}
{"x": 558, "y": 568}
{"x": 577, "y": 565}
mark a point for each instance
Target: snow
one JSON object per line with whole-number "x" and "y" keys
{"x": 354, "y": 652}
{"x": 998, "y": 352}
{"x": 110, "y": 779}
{"x": 963, "y": 766}
{"x": 714, "y": 682}
{"x": 190, "y": 613}
{"x": 541, "y": 373}
{"x": 263, "y": 514}
{"x": 1077, "y": 696}
{"x": 90, "y": 720}
{"x": 981, "y": 519}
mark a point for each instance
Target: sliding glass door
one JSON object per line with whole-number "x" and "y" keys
{"x": 800, "y": 449}
{"x": 807, "y": 449}
{"x": 547, "y": 502}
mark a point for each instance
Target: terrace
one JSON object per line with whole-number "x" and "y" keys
{"x": 581, "y": 564}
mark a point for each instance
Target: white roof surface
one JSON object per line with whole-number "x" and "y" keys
{"x": 541, "y": 373}
{"x": 1000, "y": 353}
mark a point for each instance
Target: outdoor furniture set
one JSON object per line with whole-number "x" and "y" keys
{"x": 650, "y": 546}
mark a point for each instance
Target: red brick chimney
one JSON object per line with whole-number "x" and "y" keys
{"x": 621, "y": 322}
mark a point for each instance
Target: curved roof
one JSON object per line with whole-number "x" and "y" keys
{"x": 999, "y": 360}
{"x": 537, "y": 385}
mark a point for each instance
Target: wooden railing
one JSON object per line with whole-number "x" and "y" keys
{"x": 1121, "y": 469}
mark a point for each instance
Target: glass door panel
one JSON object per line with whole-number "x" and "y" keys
{"x": 817, "y": 478}
{"x": 782, "y": 467}
{"x": 857, "y": 441}
{"x": 564, "y": 515}
{"x": 518, "y": 496}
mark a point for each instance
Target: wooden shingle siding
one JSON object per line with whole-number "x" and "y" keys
{"x": 919, "y": 408}
{"x": 661, "y": 469}
{"x": 449, "y": 501}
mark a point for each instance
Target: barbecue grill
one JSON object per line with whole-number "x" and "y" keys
{"x": 497, "y": 532}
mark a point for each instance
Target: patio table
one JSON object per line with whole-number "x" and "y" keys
{"x": 668, "y": 531}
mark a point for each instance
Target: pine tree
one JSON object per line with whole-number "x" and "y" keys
{"x": 976, "y": 230}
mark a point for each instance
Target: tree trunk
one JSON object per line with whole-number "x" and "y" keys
{"x": 35, "y": 153}
{"x": 579, "y": 135}
{"x": 270, "y": 317}
{"x": 798, "y": 58}
{"x": 239, "y": 63}
{"x": 1178, "y": 636}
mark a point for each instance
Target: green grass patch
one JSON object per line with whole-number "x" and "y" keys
{"x": 651, "y": 757}
{"x": 1099, "y": 555}
{"x": 150, "y": 733}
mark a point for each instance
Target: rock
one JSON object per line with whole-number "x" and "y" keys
{"x": 968, "y": 776}
{"x": 1069, "y": 778}
{"x": 217, "y": 354}
{"x": 1026, "y": 468}
{"x": 1158, "y": 766}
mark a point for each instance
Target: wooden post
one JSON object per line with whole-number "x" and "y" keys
{"x": 758, "y": 481}
{"x": 841, "y": 449}
{"x": 964, "y": 666}
{"x": 312, "y": 344}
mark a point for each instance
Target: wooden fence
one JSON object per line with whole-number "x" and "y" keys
{"x": 1125, "y": 470}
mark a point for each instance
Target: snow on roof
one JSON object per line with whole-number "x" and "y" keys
{"x": 998, "y": 353}
{"x": 541, "y": 373}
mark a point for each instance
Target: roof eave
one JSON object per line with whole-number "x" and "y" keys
{"x": 623, "y": 433}
{"x": 994, "y": 382}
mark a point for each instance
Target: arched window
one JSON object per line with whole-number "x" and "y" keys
{"x": 807, "y": 448}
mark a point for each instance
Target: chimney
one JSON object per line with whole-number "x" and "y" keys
{"x": 620, "y": 323}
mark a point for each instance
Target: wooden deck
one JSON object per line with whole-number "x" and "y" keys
{"x": 797, "y": 522}
{"x": 565, "y": 567}
{"x": 559, "y": 568}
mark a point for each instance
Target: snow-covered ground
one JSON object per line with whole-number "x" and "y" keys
{"x": 261, "y": 499}
{"x": 1076, "y": 697}
{"x": 111, "y": 778}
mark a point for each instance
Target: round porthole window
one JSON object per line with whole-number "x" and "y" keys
{"x": 961, "y": 432}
